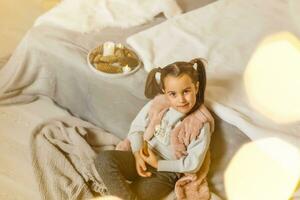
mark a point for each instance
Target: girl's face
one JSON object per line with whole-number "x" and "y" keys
{"x": 181, "y": 92}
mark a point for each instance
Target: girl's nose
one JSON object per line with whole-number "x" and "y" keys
{"x": 182, "y": 98}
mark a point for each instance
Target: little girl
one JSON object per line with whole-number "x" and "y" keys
{"x": 177, "y": 127}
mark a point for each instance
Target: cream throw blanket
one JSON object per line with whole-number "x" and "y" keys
{"x": 225, "y": 33}
{"x": 63, "y": 152}
{"x": 93, "y": 15}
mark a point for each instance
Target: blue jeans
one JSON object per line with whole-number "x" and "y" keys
{"x": 116, "y": 168}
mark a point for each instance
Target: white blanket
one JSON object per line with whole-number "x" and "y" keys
{"x": 93, "y": 15}
{"x": 226, "y": 33}
{"x": 52, "y": 62}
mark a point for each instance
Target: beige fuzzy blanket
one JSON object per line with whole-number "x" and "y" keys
{"x": 63, "y": 152}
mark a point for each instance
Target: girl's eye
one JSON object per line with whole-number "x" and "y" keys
{"x": 186, "y": 92}
{"x": 172, "y": 94}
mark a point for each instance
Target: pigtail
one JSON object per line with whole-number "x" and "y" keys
{"x": 201, "y": 64}
{"x": 152, "y": 87}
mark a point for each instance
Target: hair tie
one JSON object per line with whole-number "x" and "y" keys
{"x": 157, "y": 76}
{"x": 195, "y": 65}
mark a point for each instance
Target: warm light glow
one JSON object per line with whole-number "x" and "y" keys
{"x": 48, "y": 4}
{"x": 272, "y": 78}
{"x": 268, "y": 169}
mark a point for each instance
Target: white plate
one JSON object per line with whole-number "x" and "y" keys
{"x": 111, "y": 75}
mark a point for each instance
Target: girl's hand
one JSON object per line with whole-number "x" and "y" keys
{"x": 141, "y": 165}
{"x": 151, "y": 159}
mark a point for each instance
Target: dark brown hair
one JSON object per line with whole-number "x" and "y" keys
{"x": 176, "y": 69}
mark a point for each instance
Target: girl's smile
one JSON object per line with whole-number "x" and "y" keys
{"x": 183, "y": 106}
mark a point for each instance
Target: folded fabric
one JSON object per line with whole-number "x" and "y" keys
{"x": 194, "y": 186}
{"x": 63, "y": 152}
{"x": 93, "y": 15}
